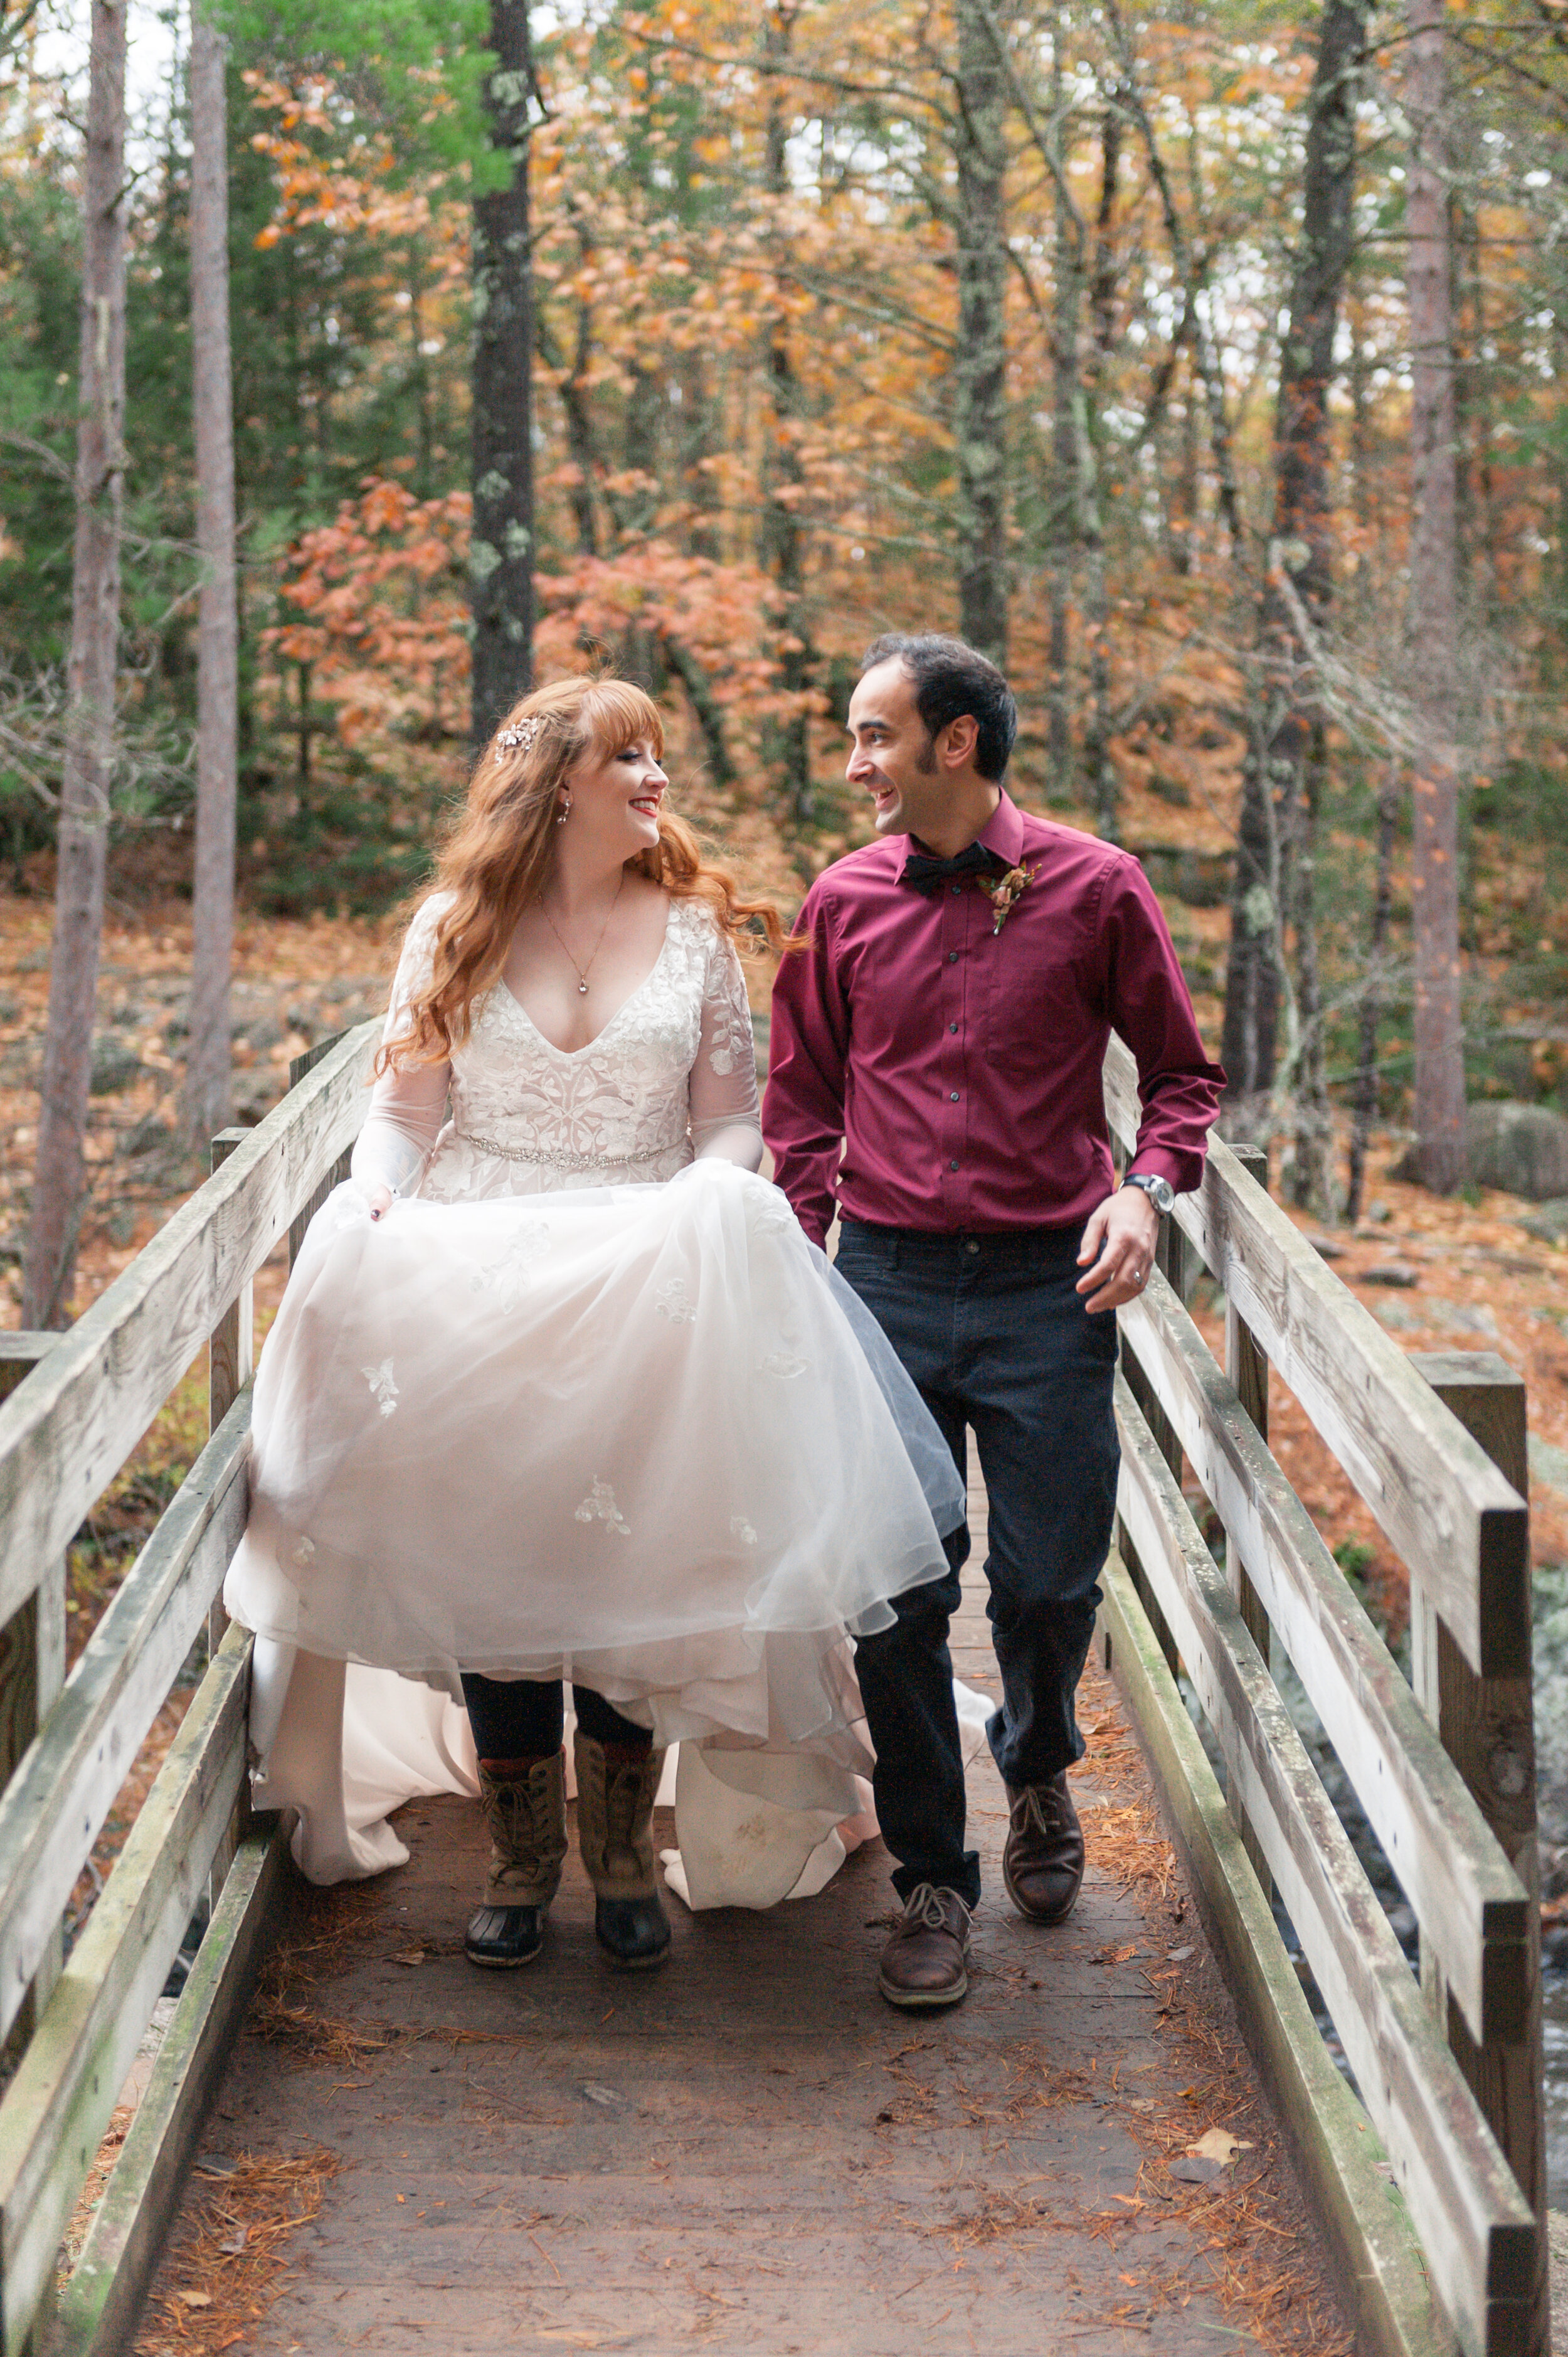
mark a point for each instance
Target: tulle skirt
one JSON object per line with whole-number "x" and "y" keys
{"x": 641, "y": 1437}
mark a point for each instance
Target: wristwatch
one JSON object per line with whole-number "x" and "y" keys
{"x": 1160, "y": 1192}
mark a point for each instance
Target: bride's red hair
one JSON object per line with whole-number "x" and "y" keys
{"x": 501, "y": 849}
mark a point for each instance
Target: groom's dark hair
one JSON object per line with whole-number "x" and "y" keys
{"x": 951, "y": 679}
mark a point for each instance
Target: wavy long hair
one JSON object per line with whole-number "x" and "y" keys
{"x": 499, "y": 852}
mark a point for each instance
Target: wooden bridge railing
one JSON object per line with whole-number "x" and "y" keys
{"x": 1437, "y": 2187}
{"x": 1421, "y": 2190}
{"x": 65, "y": 1432}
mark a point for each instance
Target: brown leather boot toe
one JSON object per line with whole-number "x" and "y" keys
{"x": 923, "y": 1962}
{"x": 1042, "y": 1861}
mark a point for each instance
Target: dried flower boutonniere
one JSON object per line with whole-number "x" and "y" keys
{"x": 1003, "y": 892}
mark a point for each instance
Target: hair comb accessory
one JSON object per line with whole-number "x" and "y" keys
{"x": 521, "y": 735}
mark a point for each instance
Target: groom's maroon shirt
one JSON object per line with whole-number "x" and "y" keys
{"x": 959, "y": 1070}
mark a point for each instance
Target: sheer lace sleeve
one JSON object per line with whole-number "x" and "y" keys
{"x": 406, "y": 1108}
{"x": 725, "y": 1118}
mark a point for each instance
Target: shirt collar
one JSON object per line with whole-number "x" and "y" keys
{"x": 1002, "y": 834}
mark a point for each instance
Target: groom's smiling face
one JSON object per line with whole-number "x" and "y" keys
{"x": 894, "y": 759}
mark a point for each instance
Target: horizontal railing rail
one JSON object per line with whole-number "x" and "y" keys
{"x": 64, "y": 1431}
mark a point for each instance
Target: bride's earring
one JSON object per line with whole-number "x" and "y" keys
{"x": 564, "y": 812}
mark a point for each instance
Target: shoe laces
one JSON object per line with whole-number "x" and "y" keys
{"x": 1041, "y": 1805}
{"x": 926, "y": 1907}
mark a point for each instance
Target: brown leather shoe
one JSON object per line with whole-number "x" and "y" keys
{"x": 923, "y": 1962}
{"x": 1042, "y": 1860}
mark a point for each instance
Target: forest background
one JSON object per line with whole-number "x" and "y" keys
{"x": 1098, "y": 332}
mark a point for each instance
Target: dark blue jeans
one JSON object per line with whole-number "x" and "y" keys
{"x": 995, "y": 1334}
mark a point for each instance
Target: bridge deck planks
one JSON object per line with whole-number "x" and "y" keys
{"x": 729, "y": 2182}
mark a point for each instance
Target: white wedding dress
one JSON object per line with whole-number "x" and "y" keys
{"x": 583, "y": 1404}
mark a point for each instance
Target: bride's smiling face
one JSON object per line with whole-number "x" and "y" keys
{"x": 615, "y": 798}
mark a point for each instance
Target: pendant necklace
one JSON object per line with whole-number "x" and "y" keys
{"x": 583, "y": 971}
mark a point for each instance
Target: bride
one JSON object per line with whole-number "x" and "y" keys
{"x": 638, "y": 1437}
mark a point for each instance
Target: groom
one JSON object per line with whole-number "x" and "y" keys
{"x": 936, "y": 1079}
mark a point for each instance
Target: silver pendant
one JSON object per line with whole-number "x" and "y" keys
{"x": 582, "y": 990}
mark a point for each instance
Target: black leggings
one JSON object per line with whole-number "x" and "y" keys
{"x": 522, "y": 1718}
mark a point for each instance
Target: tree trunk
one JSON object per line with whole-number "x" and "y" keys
{"x": 1311, "y": 1176}
{"x": 207, "y": 1073}
{"x": 1098, "y": 771}
{"x": 59, "y": 1176}
{"x": 1297, "y": 584}
{"x": 789, "y": 739}
{"x": 1439, "y": 1158}
{"x": 1062, "y": 510}
{"x": 1366, "y": 1106}
{"x": 500, "y": 559}
{"x": 1066, "y": 416}
{"x": 980, "y": 415}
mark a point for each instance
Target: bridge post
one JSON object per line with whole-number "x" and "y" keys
{"x": 231, "y": 1362}
{"x": 298, "y": 1067}
{"x": 1247, "y": 1364}
{"x": 32, "y": 1668}
{"x": 1487, "y": 1728}
{"x": 1162, "y": 1432}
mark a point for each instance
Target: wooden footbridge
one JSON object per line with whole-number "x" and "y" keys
{"x": 1425, "y": 2181}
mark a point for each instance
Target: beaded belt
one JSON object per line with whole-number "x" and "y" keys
{"x": 555, "y": 1159}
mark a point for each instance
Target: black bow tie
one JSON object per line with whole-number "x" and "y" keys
{"x": 925, "y": 873}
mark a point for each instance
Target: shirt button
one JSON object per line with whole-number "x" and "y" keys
{"x": 971, "y": 1245}
{"x": 952, "y": 1166}
{"x": 952, "y": 1026}
{"x": 958, "y": 887}
{"x": 955, "y": 1096}
{"x": 953, "y": 957}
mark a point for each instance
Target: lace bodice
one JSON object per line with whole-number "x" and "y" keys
{"x": 673, "y": 1066}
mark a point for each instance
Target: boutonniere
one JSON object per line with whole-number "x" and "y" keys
{"x": 1004, "y": 892}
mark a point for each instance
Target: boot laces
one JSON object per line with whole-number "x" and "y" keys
{"x": 927, "y": 1907}
{"x": 522, "y": 1805}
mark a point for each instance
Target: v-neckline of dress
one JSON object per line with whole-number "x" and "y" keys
{"x": 570, "y": 1055}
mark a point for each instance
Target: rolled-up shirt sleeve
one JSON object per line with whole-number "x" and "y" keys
{"x": 804, "y": 1108}
{"x": 1149, "y": 1005}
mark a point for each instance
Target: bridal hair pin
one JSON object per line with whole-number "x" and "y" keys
{"x": 523, "y": 735}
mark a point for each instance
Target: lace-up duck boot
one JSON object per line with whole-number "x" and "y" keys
{"x": 525, "y": 1809}
{"x": 1042, "y": 1859}
{"x": 615, "y": 1829}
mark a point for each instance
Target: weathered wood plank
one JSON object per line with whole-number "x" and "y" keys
{"x": 1457, "y": 1878}
{"x": 56, "y": 2107}
{"x": 101, "y": 2302}
{"x": 299, "y": 1066}
{"x": 1247, "y": 1364}
{"x": 1373, "y": 2247}
{"x": 71, "y": 1426}
{"x": 1487, "y": 1728}
{"x": 231, "y": 1362}
{"x": 32, "y": 1671}
{"x": 1467, "y": 2207}
{"x": 20, "y": 1635}
{"x": 230, "y": 1346}
{"x": 51, "y": 1813}
{"x": 1435, "y": 1493}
